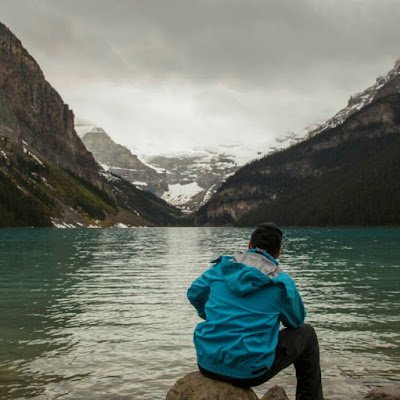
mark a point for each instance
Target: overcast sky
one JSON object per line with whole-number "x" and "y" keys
{"x": 170, "y": 75}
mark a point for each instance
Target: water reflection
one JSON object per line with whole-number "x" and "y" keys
{"x": 103, "y": 313}
{"x": 38, "y": 269}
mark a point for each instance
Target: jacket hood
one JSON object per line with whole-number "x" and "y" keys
{"x": 248, "y": 272}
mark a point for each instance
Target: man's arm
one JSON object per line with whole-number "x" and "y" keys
{"x": 293, "y": 312}
{"x": 198, "y": 294}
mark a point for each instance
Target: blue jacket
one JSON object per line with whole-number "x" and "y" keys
{"x": 243, "y": 299}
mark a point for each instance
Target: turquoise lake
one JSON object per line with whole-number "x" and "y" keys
{"x": 102, "y": 314}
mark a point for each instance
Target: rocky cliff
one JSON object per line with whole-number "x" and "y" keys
{"x": 48, "y": 177}
{"x": 119, "y": 160}
{"x": 346, "y": 173}
{"x": 32, "y": 111}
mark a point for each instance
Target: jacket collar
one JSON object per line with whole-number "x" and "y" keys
{"x": 265, "y": 254}
{"x": 260, "y": 260}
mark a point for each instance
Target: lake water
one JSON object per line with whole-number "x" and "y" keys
{"x": 102, "y": 314}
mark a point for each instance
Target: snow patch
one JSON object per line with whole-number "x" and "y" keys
{"x": 37, "y": 159}
{"x": 108, "y": 176}
{"x": 47, "y": 184}
{"x": 209, "y": 193}
{"x": 140, "y": 184}
{"x": 30, "y": 154}
{"x": 157, "y": 169}
{"x": 178, "y": 194}
{"x": 61, "y": 224}
{"x": 121, "y": 225}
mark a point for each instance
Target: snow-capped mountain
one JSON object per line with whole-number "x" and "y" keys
{"x": 389, "y": 83}
{"x": 193, "y": 177}
{"x": 382, "y": 86}
{"x": 186, "y": 180}
{"x": 119, "y": 160}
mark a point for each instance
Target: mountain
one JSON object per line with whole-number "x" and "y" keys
{"x": 32, "y": 111}
{"x": 120, "y": 161}
{"x": 47, "y": 176}
{"x": 185, "y": 180}
{"x": 346, "y": 172}
{"x": 384, "y": 85}
{"x": 193, "y": 177}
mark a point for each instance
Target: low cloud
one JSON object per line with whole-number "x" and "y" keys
{"x": 274, "y": 65}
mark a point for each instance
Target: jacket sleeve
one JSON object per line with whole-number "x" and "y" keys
{"x": 198, "y": 294}
{"x": 293, "y": 312}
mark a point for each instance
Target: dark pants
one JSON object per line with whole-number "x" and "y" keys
{"x": 295, "y": 346}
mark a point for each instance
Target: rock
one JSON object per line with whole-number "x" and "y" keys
{"x": 120, "y": 161}
{"x": 195, "y": 386}
{"x": 384, "y": 393}
{"x": 32, "y": 111}
{"x": 275, "y": 393}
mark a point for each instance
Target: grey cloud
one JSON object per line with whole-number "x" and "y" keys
{"x": 263, "y": 66}
{"x": 241, "y": 43}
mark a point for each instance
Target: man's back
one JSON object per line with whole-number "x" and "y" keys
{"x": 242, "y": 305}
{"x": 243, "y": 299}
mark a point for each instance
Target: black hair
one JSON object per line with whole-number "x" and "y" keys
{"x": 268, "y": 237}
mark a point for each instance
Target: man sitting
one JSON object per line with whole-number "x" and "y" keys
{"x": 243, "y": 299}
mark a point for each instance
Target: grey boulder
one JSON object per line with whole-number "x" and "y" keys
{"x": 195, "y": 386}
{"x": 275, "y": 393}
{"x": 384, "y": 393}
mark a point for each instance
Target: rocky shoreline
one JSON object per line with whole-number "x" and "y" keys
{"x": 195, "y": 386}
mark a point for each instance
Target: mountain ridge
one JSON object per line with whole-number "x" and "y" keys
{"x": 119, "y": 160}
{"x": 362, "y": 99}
